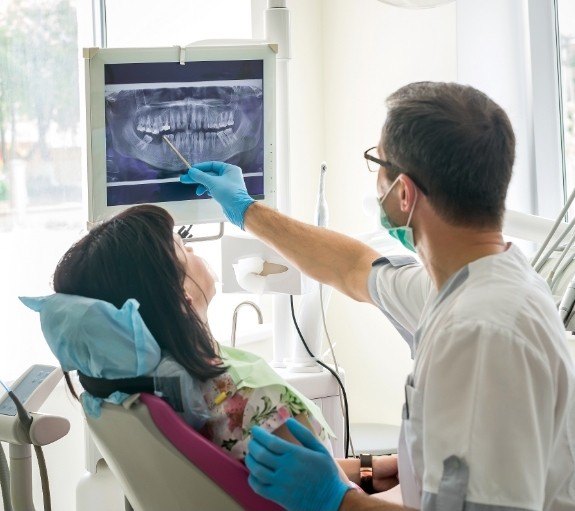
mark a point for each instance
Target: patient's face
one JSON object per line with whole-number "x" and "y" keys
{"x": 199, "y": 283}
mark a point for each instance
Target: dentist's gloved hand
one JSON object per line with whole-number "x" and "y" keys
{"x": 297, "y": 477}
{"x": 225, "y": 183}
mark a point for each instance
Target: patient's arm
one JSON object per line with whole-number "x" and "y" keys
{"x": 384, "y": 467}
{"x": 284, "y": 433}
{"x": 385, "y": 474}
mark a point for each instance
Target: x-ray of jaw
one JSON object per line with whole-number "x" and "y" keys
{"x": 211, "y": 122}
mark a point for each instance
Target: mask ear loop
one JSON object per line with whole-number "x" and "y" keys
{"x": 412, "y": 209}
{"x": 382, "y": 200}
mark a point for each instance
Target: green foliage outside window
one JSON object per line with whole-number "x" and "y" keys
{"x": 3, "y": 190}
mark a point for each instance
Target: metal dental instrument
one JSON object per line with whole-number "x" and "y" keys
{"x": 183, "y": 231}
{"x": 178, "y": 154}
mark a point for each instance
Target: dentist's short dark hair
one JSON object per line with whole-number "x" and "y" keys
{"x": 458, "y": 143}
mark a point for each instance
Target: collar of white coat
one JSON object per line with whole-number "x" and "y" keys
{"x": 460, "y": 276}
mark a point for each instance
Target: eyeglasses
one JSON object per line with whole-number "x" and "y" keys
{"x": 374, "y": 163}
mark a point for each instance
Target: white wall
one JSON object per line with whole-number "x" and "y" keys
{"x": 348, "y": 56}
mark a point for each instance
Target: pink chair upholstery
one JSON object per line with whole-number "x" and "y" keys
{"x": 228, "y": 473}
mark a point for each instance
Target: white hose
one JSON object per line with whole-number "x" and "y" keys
{"x": 550, "y": 277}
{"x": 559, "y": 273}
{"x": 544, "y": 259}
{"x": 553, "y": 229}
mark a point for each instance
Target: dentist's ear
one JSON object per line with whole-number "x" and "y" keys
{"x": 408, "y": 192}
{"x": 189, "y": 300}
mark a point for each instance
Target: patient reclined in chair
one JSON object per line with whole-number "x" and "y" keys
{"x": 145, "y": 440}
{"x": 130, "y": 315}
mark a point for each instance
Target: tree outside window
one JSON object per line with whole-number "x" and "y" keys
{"x": 40, "y": 162}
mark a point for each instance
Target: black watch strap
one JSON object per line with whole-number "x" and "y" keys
{"x": 366, "y": 473}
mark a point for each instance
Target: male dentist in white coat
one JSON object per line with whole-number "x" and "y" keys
{"x": 489, "y": 418}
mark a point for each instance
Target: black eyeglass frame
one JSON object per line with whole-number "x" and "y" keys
{"x": 388, "y": 165}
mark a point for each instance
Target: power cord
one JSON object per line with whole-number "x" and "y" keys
{"x": 335, "y": 375}
{"x": 331, "y": 346}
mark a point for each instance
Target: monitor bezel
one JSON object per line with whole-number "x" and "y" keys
{"x": 188, "y": 211}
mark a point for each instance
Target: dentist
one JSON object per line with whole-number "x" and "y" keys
{"x": 489, "y": 417}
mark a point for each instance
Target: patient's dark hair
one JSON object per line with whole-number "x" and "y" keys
{"x": 133, "y": 256}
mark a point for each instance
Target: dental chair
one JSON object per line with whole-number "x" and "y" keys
{"x": 163, "y": 464}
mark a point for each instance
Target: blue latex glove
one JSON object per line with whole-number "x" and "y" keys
{"x": 225, "y": 183}
{"x": 296, "y": 477}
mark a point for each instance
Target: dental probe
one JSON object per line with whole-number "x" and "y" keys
{"x": 173, "y": 148}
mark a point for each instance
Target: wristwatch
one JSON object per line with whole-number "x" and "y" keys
{"x": 366, "y": 473}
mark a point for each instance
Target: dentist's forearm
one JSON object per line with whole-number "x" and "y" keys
{"x": 358, "y": 501}
{"x": 326, "y": 256}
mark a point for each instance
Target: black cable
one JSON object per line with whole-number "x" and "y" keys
{"x": 26, "y": 420}
{"x": 336, "y": 376}
{"x": 23, "y": 415}
{"x": 43, "y": 478}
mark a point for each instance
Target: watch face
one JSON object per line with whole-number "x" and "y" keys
{"x": 365, "y": 461}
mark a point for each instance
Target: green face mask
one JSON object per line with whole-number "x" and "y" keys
{"x": 403, "y": 234}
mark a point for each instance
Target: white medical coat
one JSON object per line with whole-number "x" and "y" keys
{"x": 489, "y": 418}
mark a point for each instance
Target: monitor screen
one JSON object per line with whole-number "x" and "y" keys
{"x": 214, "y": 107}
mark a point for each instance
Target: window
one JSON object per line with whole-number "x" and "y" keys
{"x": 40, "y": 163}
{"x": 175, "y": 22}
{"x": 42, "y": 135}
{"x": 566, "y": 25}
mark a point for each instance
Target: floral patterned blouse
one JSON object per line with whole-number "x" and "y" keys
{"x": 235, "y": 411}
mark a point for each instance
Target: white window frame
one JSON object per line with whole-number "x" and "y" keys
{"x": 508, "y": 49}
{"x": 551, "y": 182}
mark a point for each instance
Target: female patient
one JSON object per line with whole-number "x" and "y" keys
{"x": 225, "y": 392}
{"x": 136, "y": 255}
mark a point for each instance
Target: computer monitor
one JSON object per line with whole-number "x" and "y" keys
{"x": 212, "y": 103}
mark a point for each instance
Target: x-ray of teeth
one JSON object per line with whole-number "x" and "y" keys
{"x": 210, "y": 110}
{"x": 215, "y": 122}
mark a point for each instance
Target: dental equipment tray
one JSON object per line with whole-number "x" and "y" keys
{"x": 32, "y": 389}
